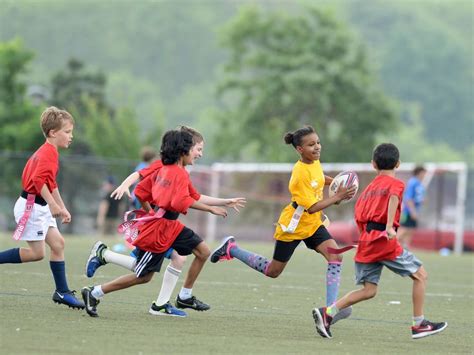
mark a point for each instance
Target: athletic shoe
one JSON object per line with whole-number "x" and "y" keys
{"x": 342, "y": 314}
{"x": 166, "y": 310}
{"x": 192, "y": 303}
{"x": 323, "y": 322}
{"x": 95, "y": 259}
{"x": 68, "y": 299}
{"x": 427, "y": 328}
{"x": 223, "y": 251}
{"x": 90, "y": 301}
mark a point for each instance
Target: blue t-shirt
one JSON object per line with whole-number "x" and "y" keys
{"x": 415, "y": 191}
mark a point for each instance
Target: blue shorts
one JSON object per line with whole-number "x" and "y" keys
{"x": 404, "y": 265}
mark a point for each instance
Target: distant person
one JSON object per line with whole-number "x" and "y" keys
{"x": 148, "y": 154}
{"x": 413, "y": 199}
{"x": 110, "y": 209}
{"x": 377, "y": 214}
{"x": 40, "y": 203}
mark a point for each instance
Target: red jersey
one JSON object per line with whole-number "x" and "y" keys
{"x": 372, "y": 206}
{"x": 172, "y": 190}
{"x": 40, "y": 169}
{"x": 150, "y": 169}
{"x": 143, "y": 189}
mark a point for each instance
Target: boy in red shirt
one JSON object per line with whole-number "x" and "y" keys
{"x": 40, "y": 203}
{"x": 100, "y": 255}
{"x": 377, "y": 214}
{"x": 173, "y": 193}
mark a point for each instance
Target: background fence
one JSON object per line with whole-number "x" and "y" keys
{"x": 80, "y": 180}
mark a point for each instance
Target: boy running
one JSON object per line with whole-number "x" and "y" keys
{"x": 40, "y": 203}
{"x": 377, "y": 214}
{"x": 173, "y": 193}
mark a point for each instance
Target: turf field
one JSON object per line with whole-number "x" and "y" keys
{"x": 250, "y": 314}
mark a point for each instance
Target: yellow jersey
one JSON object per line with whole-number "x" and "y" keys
{"x": 306, "y": 187}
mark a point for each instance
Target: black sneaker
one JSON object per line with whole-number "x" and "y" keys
{"x": 192, "y": 303}
{"x": 222, "y": 252}
{"x": 323, "y": 322}
{"x": 427, "y": 328}
{"x": 68, "y": 299}
{"x": 90, "y": 301}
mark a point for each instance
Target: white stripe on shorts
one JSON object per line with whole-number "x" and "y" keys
{"x": 141, "y": 265}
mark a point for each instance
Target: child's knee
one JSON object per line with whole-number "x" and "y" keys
{"x": 421, "y": 274}
{"x": 370, "y": 291}
{"x": 273, "y": 273}
{"x": 57, "y": 246}
{"x": 177, "y": 261}
{"x": 37, "y": 255}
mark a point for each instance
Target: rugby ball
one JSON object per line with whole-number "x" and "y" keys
{"x": 347, "y": 179}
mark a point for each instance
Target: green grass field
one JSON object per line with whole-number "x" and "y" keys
{"x": 250, "y": 314}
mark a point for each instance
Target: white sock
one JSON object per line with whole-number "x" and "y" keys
{"x": 126, "y": 261}
{"x": 97, "y": 292}
{"x": 170, "y": 278}
{"x": 185, "y": 293}
{"x": 417, "y": 320}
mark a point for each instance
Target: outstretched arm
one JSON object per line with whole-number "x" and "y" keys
{"x": 235, "y": 203}
{"x": 125, "y": 185}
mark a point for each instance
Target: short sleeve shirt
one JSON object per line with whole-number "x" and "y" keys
{"x": 306, "y": 187}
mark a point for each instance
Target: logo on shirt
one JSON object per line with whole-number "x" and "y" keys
{"x": 39, "y": 233}
{"x": 314, "y": 183}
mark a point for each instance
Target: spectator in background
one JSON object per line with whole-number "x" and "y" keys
{"x": 412, "y": 201}
{"x": 110, "y": 209}
{"x": 148, "y": 154}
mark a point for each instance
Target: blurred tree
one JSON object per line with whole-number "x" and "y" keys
{"x": 101, "y": 129}
{"x": 286, "y": 71}
{"x": 425, "y": 50}
{"x": 19, "y": 118}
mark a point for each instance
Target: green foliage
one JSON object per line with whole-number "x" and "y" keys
{"x": 287, "y": 71}
{"x": 423, "y": 60}
{"x": 19, "y": 118}
{"x": 101, "y": 129}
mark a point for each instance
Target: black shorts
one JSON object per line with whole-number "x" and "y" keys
{"x": 148, "y": 262}
{"x": 407, "y": 221}
{"x": 284, "y": 250}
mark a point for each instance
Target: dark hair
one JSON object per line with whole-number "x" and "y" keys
{"x": 174, "y": 145}
{"x": 418, "y": 169}
{"x": 386, "y": 156}
{"x": 296, "y": 137}
{"x": 197, "y": 137}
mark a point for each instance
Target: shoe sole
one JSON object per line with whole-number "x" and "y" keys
{"x": 318, "y": 318}
{"x": 70, "y": 306}
{"x": 85, "y": 297}
{"x": 220, "y": 246}
{"x": 157, "y": 313}
{"x": 92, "y": 253}
{"x": 427, "y": 334}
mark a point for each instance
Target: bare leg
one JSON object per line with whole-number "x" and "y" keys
{"x": 126, "y": 281}
{"x": 368, "y": 291}
{"x": 418, "y": 294}
{"x": 55, "y": 241}
{"x": 201, "y": 253}
{"x": 35, "y": 252}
